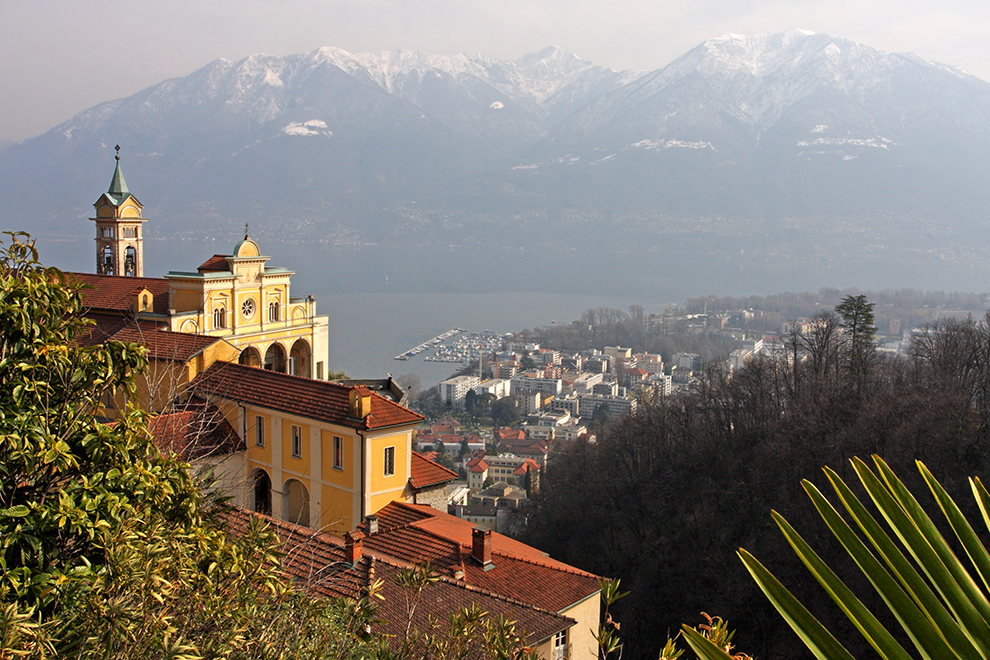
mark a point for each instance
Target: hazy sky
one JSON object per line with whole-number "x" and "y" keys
{"x": 58, "y": 57}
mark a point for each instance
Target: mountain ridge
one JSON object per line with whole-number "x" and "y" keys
{"x": 404, "y": 147}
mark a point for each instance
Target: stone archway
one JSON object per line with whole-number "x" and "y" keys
{"x": 261, "y": 492}
{"x": 300, "y": 359}
{"x": 275, "y": 359}
{"x": 250, "y": 357}
{"x": 296, "y": 502}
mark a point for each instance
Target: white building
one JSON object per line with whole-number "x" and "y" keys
{"x": 616, "y": 406}
{"x": 453, "y": 390}
{"x": 532, "y": 383}
{"x": 497, "y": 387}
{"x": 686, "y": 361}
{"x": 585, "y": 383}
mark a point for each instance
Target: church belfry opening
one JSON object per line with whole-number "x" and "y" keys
{"x": 119, "y": 229}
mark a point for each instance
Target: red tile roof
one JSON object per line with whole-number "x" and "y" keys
{"x": 316, "y": 399}
{"x": 161, "y": 342}
{"x": 396, "y": 514}
{"x": 217, "y": 262}
{"x": 520, "y": 572}
{"x": 198, "y": 430}
{"x": 425, "y": 473}
{"x": 319, "y": 563}
{"x": 526, "y": 466}
{"x": 117, "y": 294}
{"x": 510, "y": 434}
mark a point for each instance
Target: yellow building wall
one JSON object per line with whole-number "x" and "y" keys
{"x": 338, "y": 505}
{"x": 185, "y": 300}
{"x": 297, "y": 465}
{"x": 386, "y": 489}
{"x": 347, "y": 476}
{"x": 258, "y": 454}
{"x": 580, "y": 637}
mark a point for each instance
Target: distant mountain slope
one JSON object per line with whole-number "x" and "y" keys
{"x": 409, "y": 147}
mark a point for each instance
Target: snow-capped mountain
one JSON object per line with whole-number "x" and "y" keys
{"x": 403, "y": 145}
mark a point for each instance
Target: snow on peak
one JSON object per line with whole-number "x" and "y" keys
{"x": 307, "y": 128}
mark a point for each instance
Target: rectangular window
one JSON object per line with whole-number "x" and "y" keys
{"x": 296, "y": 442}
{"x": 560, "y": 645}
{"x": 338, "y": 453}
{"x": 389, "y": 461}
{"x": 319, "y": 370}
{"x": 259, "y": 431}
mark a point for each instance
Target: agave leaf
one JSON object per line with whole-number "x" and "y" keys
{"x": 982, "y": 499}
{"x": 975, "y": 549}
{"x": 915, "y": 585}
{"x": 702, "y": 646}
{"x": 915, "y": 623}
{"x": 814, "y": 635}
{"x": 918, "y": 534}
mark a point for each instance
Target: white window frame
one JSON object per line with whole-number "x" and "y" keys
{"x": 259, "y": 431}
{"x": 338, "y": 453}
{"x": 296, "y": 441}
{"x": 559, "y": 645}
{"x": 389, "y": 459}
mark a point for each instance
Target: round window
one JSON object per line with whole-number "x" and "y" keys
{"x": 247, "y": 308}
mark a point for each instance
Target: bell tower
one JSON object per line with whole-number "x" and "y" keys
{"x": 119, "y": 231}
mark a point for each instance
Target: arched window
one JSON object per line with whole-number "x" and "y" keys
{"x": 145, "y": 303}
{"x": 251, "y": 357}
{"x": 299, "y": 359}
{"x": 130, "y": 261}
{"x": 262, "y": 495}
{"x": 106, "y": 261}
{"x": 296, "y": 502}
{"x": 219, "y": 318}
{"x": 275, "y": 358}
{"x": 273, "y": 311}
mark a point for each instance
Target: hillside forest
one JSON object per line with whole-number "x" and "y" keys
{"x": 666, "y": 497}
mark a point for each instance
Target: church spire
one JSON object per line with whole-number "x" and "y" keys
{"x": 118, "y": 187}
{"x": 119, "y": 234}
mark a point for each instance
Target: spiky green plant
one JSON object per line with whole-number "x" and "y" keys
{"x": 938, "y": 598}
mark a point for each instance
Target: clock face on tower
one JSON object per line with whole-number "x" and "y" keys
{"x": 247, "y": 308}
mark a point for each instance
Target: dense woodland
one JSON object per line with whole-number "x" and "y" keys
{"x": 665, "y": 498}
{"x": 677, "y": 329}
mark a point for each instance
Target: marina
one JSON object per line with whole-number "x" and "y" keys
{"x": 467, "y": 349}
{"x": 433, "y": 343}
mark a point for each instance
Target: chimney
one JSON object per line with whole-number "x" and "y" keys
{"x": 359, "y": 400}
{"x": 371, "y": 525}
{"x": 353, "y": 546}
{"x": 481, "y": 547}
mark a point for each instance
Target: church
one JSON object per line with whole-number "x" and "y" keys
{"x": 237, "y": 378}
{"x": 237, "y": 382}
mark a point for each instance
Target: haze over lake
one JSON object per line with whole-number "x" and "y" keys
{"x": 383, "y": 301}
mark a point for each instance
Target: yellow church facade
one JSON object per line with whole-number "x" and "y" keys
{"x": 240, "y": 299}
{"x": 237, "y": 297}
{"x": 318, "y": 454}
{"x": 228, "y": 337}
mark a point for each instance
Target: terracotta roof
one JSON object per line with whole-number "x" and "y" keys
{"x": 478, "y": 465}
{"x": 425, "y": 473}
{"x": 520, "y": 572}
{"x": 197, "y": 431}
{"x": 510, "y": 434}
{"x": 217, "y": 262}
{"x": 306, "y": 397}
{"x": 111, "y": 293}
{"x": 162, "y": 343}
{"x": 319, "y": 563}
{"x": 526, "y": 466}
